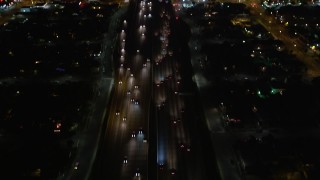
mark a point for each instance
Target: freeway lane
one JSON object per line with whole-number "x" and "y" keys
{"x": 179, "y": 156}
{"x": 124, "y": 150}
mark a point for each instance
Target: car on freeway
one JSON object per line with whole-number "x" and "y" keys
{"x": 140, "y": 130}
{"x": 125, "y": 160}
{"x": 161, "y": 166}
{"x": 76, "y": 165}
{"x": 136, "y": 102}
{"x": 188, "y": 148}
{"x": 185, "y": 147}
{"x": 117, "y": 113}
{"x": 133, "y": 134}
{"x": 174, "y": 121}
{"x": 163, "y": 103}
{"x": 173, "y": 171}
{"x": 137, "y": 174}
{"x": 124, "y": 118}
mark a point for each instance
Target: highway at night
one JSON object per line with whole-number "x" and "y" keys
{"x": 159, "y": 89}
{"x": 147, "y": 90}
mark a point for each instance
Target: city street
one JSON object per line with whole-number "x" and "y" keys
{"x": 280, "y": 32}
